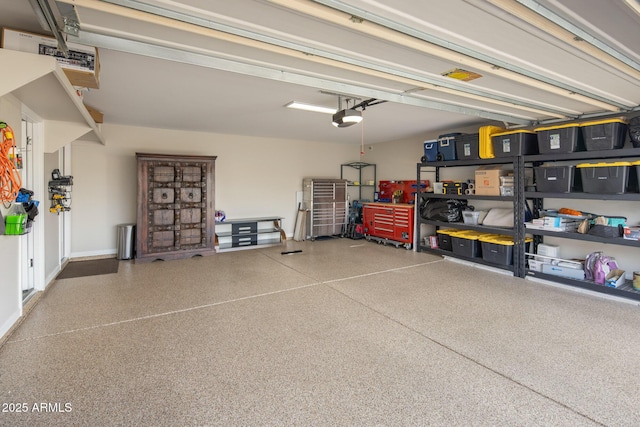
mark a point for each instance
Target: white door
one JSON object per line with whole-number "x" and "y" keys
{"x": 27, "y": 244}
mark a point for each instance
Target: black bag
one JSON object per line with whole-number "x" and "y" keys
{"x": 443, "y": 210}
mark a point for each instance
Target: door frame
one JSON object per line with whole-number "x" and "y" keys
{"x": 36, "y": 166}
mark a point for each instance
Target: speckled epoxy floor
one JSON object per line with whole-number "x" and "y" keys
{"x": 344, "y": 333}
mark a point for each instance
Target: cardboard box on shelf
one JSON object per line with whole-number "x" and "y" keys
{"x": 82, "y": 67}
{"x": 487, "y": 180}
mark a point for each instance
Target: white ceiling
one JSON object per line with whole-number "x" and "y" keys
{"x": 231, "y": 66}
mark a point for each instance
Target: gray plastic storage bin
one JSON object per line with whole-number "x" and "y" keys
{"x": 555, "y": 179}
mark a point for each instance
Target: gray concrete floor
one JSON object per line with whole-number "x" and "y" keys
{"x": 345, "y": 333}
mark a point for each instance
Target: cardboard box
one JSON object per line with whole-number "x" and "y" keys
{"x": 82, "y": 67}
{"x": 487, "y": 180}
{"x": 615, "y": 278}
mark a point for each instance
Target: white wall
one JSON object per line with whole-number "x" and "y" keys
{"x": 254, "y": 177}
{"x": 51, "y": 222}
{"x": 10, "y": 294}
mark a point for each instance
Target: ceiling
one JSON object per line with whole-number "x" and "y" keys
{"x": 231, "y": 66}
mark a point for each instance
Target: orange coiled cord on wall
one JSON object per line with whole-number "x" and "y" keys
{"x": 10, "y": 180}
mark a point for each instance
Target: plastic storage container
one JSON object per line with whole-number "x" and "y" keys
{"x": 14, "y": 224}
{"x": 484, "y": 140}
{"x": 431, "y": 150}
{"x": 444, "y": 238}
{"x": 499, "y": 249}
{"x": 507, "y": 191}
{"x": 604, "y": 178}
{"x": 604, "y": 134}
{"x": 447, "y": 146}
{"x": 468, "y": 146}
{"x": 473, "y": 217}
{"x": 466, "y": 243}
{"x": 555, "y": 179}
{"x": 559, "y": 139}
{"x": 636, "y": 165}
{"x": 514, "y": 143}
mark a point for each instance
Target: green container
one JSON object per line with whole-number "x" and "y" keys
{"x": 14, "y": 224}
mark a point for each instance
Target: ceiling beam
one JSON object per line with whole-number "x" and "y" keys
{"x": 447, "y": 50}
{"x": 290, "y": 76}
{"x": 356, "y": 62}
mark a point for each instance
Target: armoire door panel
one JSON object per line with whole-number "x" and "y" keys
{"x": 163, "y": 239}
{"x": 190, "y": 194}
{"x": 191, "y": 236}
{"x": 190, "y": 216}
{"x": 163, "y": 174}
{"x": 163, "y": 195}
{"x": 191, "y": 174}
{"x": 163, "y": 217}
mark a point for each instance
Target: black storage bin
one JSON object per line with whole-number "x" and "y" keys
{"x": 604, "y": 134}
{"x": 447, "y": 146}
{"x": 497, "y": 253}
{"x": 445, "y": 242}
{"x": 515, "y": 143}
{"x": 634, "y": 131}
{"x": 556, "y": 179}
{"x": 605, "y": 178}
{"x": 468, "y": 146}
{"x": 499, "y": 249}
{"x": 560, "y": 139}
{"x": 469, "y": 248}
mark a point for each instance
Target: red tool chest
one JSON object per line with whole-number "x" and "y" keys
{"x": 388, "y": 223}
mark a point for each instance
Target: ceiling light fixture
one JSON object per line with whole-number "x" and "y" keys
{"x": 348, "y": 117}
{"x": 309, "y": 107}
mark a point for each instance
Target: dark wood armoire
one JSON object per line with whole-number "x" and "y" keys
{"x": 176, "y": 215}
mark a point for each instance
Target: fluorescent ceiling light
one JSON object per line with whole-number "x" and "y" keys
{"x": 309, "y": 107}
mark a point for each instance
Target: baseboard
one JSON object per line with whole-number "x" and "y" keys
{"x": 107, "y": 253}
{"x": 8, "y": 325}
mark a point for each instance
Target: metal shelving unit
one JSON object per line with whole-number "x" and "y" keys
{"x": 520, "y": 198}
{"x": 627, "y": 289}
{"x": 518, "y": 267}
{"x": 359, "y": 166}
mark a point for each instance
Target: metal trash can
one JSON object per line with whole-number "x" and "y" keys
{"x": 126, "y": 241}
